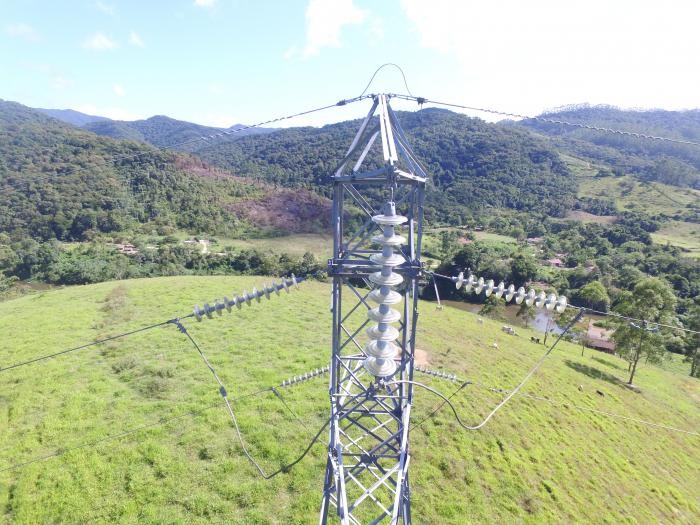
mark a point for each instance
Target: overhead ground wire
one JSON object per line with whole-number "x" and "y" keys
{"x": 202, "y": 138}
{"x": 422, "y": 100}
{"x": 382, "y": 67}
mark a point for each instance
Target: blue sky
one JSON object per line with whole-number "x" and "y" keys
{"x": 219, "y": 62}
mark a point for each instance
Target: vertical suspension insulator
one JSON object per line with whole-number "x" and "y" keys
{"x": 381, "y": 348}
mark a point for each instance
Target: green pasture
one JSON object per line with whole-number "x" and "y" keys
{"x": 534, "y": 462}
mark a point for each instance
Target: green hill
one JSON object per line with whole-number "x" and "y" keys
{"x": 162, "y": 131}
{"x": 473, "y": 165}
{"x": 649, "y": 160}
{"x": 535, "y": 462}
{"x": 159, "y": 130}
{"x": 70, "y": 116}
{"x": 59, "y": 182}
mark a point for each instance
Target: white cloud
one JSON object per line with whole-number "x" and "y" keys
{"x": 324, "y": 23}
{"x": 119, "y": 90}
{"x": 106, "y": 8}
{"x": 24, "y": 31}
{"x": 205, "y": 3}
{"x": 528, "y": 56}
{"x": 135, "y": 39}
{"x": 99, "y": 42}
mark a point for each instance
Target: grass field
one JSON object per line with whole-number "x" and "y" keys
{"x": 631, "y": 194}
{"x": 432, "y": 242}
{"x": 685, "y": 235}
{"x": 298, "y": 244}
{"x": 294, "y": 244}
{"x": 535, "y": 462}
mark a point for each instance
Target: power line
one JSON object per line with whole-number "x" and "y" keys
{"x": 509, "y": 396}
{"x": 86, "y": 345}
{"x": 627, "y": 318}
{"x": 194, "y": 413}
{"x": 207, "y": 310}
{"x": 153, "y": 149}
{"x": 453, "y": 378}
{"x": 135, "y": 430}
{"x": 447, "y": 399}
{"x": 547, "y": 120}
{"x": 224, "y": 395}
{"x": 437, "y": 409}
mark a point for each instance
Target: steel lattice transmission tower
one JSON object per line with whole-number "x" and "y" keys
{"x": 375, "y": 274}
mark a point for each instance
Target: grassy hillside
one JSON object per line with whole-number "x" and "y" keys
{"x": 534, "y": 463}
{"x": 652, "y": 160}
{"x": 628, "y": 193}
{"x": 685, "y": 235}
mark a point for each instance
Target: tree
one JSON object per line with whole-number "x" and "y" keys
{"x": 494, "y": 307}
{"x": 692, "y": 341}
{"x": 6, "y": 282}
{"x": 527, "y": 313}
{"x": 652, "y": 300}
{"x": 523, "y": 269}
{"x": 448, "y": 243}
{"x": 575, "y": 330}
{"x": 594, "y": 295}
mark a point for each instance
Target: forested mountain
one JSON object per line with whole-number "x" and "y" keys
{"x": 70, "y": 116}
{"x": 164, "y": 131}
{"x": 158, "y": 130}
{"x": 472, "y": 164}
{"x": 60, "y": 182}
{"x": 650, "y": 160}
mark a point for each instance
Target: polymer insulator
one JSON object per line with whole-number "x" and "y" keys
{"x": 245, "y": 297}
{"x": 381, "y": 350}
{"x": 539, "y": 299}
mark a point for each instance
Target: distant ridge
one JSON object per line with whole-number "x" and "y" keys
{"x": 159, "y": 130}
{"x": 70, "y": 116}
